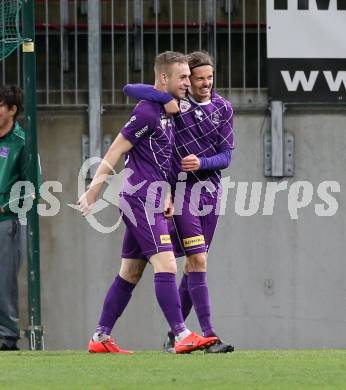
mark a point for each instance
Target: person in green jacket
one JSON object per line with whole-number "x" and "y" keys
{"x": 12, "y": 169}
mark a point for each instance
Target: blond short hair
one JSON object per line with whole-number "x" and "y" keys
{"x": 165, "y": 60}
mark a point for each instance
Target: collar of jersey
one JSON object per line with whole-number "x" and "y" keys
{"x": 199, "y": 103}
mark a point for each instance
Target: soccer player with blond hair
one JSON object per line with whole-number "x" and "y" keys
{"x": 146, "y": 140}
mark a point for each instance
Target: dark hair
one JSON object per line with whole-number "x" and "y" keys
{"x": 11, "y": 95}
{"x": 168, "y": 58}
{"x": 199, "y": 58}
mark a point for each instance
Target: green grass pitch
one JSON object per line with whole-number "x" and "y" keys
{"x": 324, "y": 369}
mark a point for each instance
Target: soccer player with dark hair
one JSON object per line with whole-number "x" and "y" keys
{"x": 12, "y": 169}
{"x": 203, "y": 146}
{"x": 146, "y": 140}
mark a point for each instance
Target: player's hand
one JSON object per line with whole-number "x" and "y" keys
{"x": 190, "y": 163}
{"x": 171, "y": 107}
{"x": 2, "y": 210}
{"x": 169, "y": 208}
{"x": 87, "y": 201}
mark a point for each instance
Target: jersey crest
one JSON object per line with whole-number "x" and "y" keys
{"x": 184, "y": 105}
{"x": 215, "y": 118}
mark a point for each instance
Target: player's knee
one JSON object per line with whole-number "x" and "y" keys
{"x": 169, "y": 265}
{"x": 172, "y": 267}
{"x": 132, "y": 273}
{"x": 131, "y": 277}
{"x": 197, "y": 262}
{"x": 136, "y": 275}
{"x": 164, "y": 262}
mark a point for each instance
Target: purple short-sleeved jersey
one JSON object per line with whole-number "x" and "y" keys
{"x": 151, "y": 133}
{"x": 203, "y": 129}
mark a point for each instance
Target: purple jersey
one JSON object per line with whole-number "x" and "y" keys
{"x": 151, "y": 133}
{"x": 202, "y": 129}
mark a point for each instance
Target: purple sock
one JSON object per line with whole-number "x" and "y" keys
{"x": 116, "y": 300}
{"x": 168, "y": 298}
{"x": 198, "y": 288}
{"x": 186, "y": 302}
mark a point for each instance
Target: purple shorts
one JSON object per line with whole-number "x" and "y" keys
{"x": 195, "y": 232}
{"x": 146, "y": 233}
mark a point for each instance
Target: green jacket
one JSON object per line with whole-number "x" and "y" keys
{"x": 12, "y": 166}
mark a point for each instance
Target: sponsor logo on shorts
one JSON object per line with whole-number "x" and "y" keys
{"x": 193, "y": 241}
{"x": 4, "y": 152}
{"x": 165, "y": 239}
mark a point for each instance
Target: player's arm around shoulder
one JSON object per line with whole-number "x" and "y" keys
{"x": 172, "y": 107}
